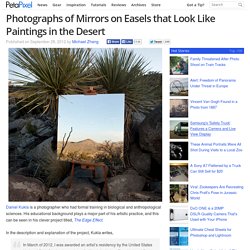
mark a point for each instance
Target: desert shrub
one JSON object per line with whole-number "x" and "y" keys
{"x": 56, "y": 173}
{"x": 84, "y": 157}
{"x": 50, "y": 170}
{"x": 110, "y": 153}
{"x": 53, "y": 173}
{"x": 72, "y": 155}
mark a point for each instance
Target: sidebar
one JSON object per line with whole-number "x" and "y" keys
{"x": 208, "y": 147}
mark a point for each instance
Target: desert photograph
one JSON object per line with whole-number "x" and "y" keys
{"x": 85, "y": 124}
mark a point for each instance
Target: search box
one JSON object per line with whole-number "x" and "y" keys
{"x": 226, "y": 4}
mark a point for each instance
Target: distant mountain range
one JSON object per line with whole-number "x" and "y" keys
{"x": 87, "y": 146}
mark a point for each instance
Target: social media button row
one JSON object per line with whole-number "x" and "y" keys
{"x": 124, "y": 41}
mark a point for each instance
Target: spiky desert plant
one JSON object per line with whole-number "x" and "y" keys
{"x": 54, "y": 72}
{"x": 123, "y": 71}
{"x": 53, "y": 172}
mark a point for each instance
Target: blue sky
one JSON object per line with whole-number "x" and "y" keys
{"x": 152, "y": 55}
{"x": 99, "y": 117}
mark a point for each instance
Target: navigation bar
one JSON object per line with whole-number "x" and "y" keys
{"x": 133, "y": 5}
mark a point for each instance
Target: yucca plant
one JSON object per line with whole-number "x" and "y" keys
{"x": 49, "y": 73}
{"x": 123, "y": 71}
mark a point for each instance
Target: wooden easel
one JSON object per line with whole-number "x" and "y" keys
{"x": 91, "y": 166}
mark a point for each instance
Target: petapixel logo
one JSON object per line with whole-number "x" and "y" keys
{"x": 20, "y": 4}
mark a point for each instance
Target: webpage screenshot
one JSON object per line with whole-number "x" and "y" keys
{"x": 124, "y": 125}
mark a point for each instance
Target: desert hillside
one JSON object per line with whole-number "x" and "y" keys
{"x": 87, "y": 146}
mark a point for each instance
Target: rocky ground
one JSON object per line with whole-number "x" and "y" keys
{"x": 36, "y": 175}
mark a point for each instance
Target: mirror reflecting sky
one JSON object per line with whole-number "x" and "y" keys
{"x": 96, "y": 117}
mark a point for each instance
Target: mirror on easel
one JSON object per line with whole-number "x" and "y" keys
{"x": 89, "y": 125}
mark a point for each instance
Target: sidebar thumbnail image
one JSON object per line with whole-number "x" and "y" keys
{"x": 178, "y": 65}
{"x": 178, "y": 236}
{"x": 178, "y": 150}
{"x": 178, "y": 87}
{"x": 178, "y": 129}
{"x": 178, "y": 172}
{"x": 178, "y": 214}
{"x": 178, "y": 108}
{"x": 178, "y": 193}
